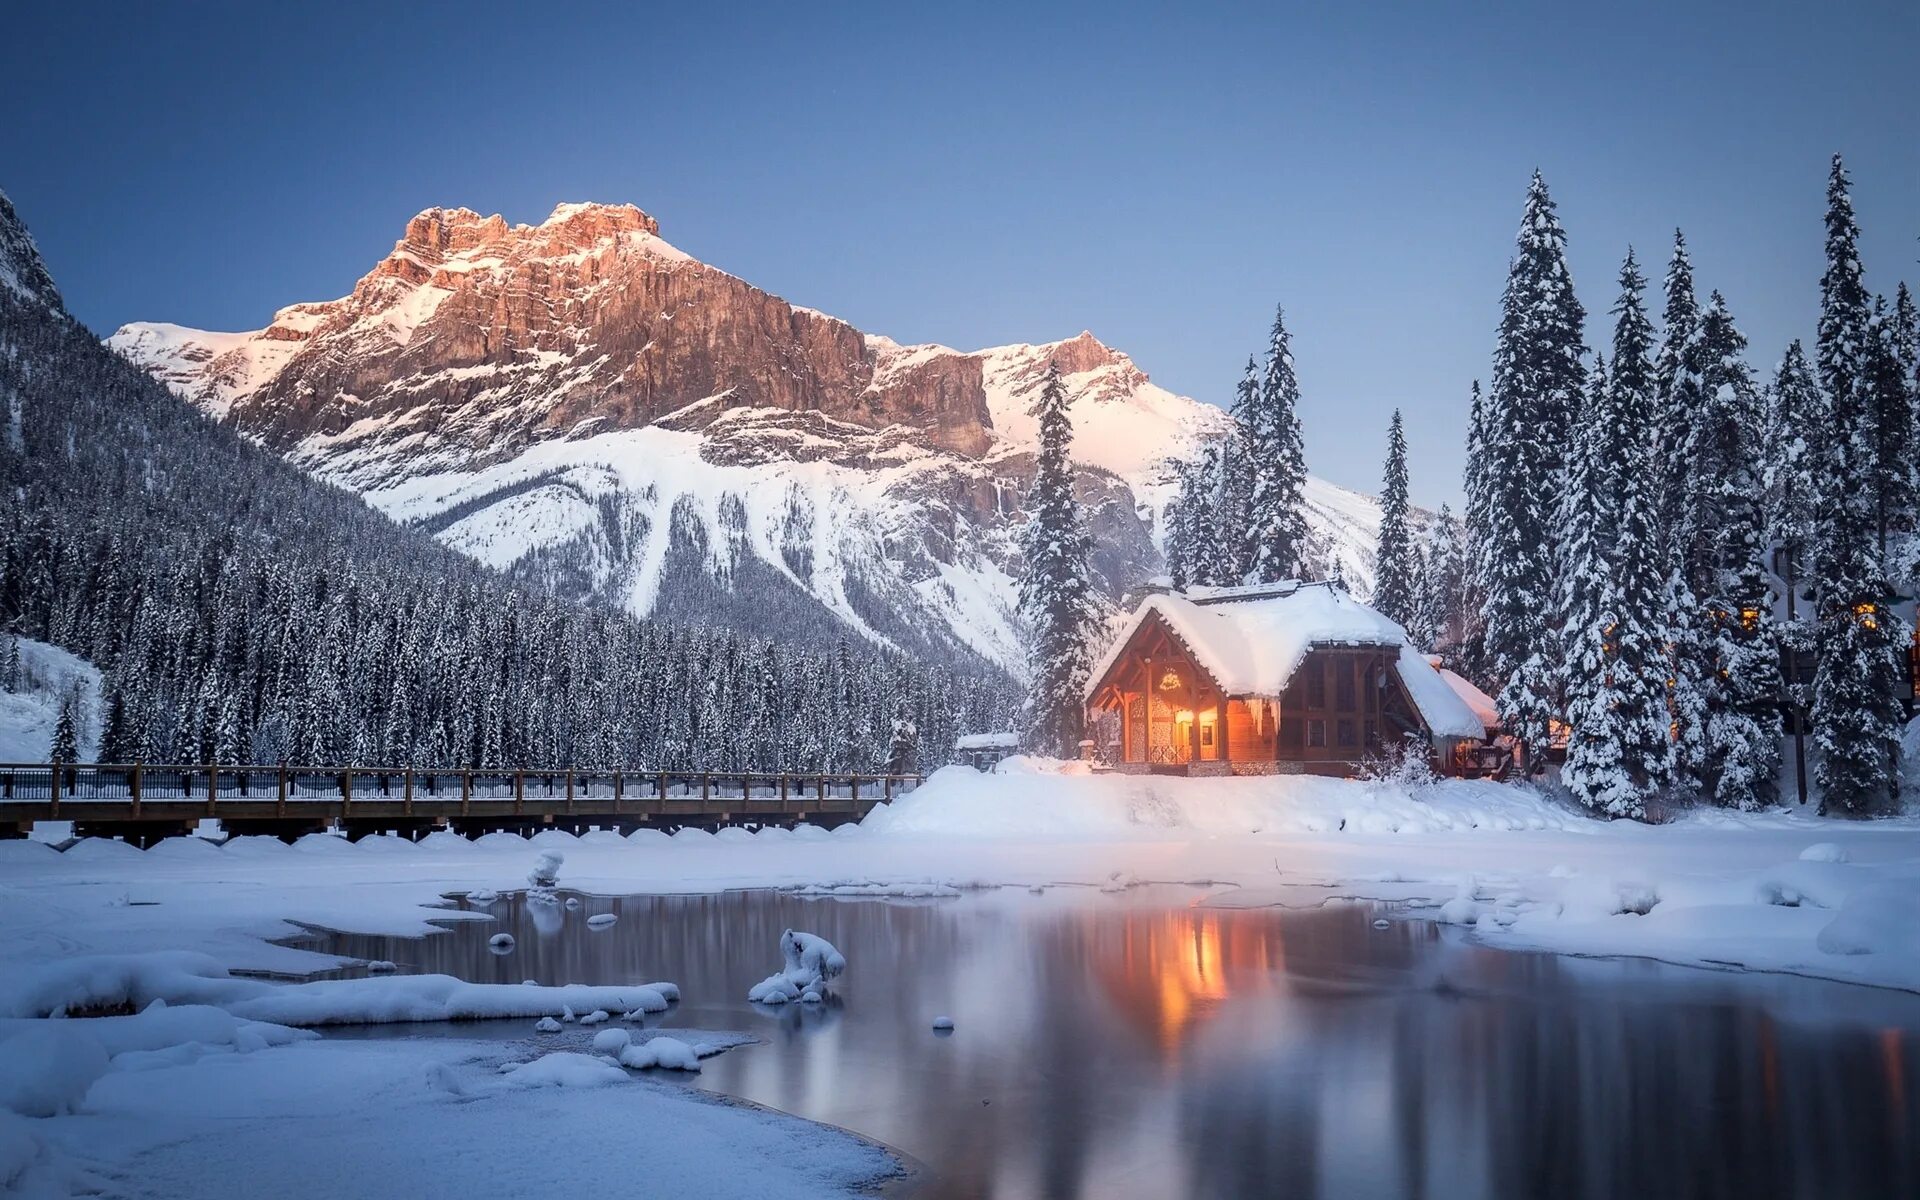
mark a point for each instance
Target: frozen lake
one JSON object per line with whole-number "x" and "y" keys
{"x": 1142, "y": 1044}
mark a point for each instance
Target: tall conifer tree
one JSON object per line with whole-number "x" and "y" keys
{"x": 1396, "y": 567}
{"x": 1056, "y": 592}
{"x": 1277, "y": 531}
{"x": 1855, "y": 716}
{"x": 1537, "y": 379}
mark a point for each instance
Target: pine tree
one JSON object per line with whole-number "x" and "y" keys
{"x": 1855, "y": 716}
{"x": 10, "y": 664}
{"x": 1739, "y": 749}
{"x": 1438, "y": 609}
{"x": 1190, "y": 518}
{"x": 903, "y": 745}
{"x": 65, "y": 745}
{"x": 1618, "y": 752}
{"x": 1537, "y": 379}
{"x": 1270, "y": 428}
{"x": 1796, "y": 421}
{"x": 1056, "y": 594}
{"x": 1672, "y": 419}
{"x": 1394, "y": 579}
{"x": 1896, "y": 456}
{"x": 1232, "y": 548}
{"x": 1472, "y": 659}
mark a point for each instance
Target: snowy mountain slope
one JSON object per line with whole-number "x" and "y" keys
{"x": 582, "y": 403}
{"x": 48, "y": 678}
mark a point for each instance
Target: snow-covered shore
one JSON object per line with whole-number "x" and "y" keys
{"x": 1778, "y": 891}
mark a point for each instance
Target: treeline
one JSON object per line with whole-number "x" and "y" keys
{"x": 1627, "y": 513}
{"x": 241, "y": 611}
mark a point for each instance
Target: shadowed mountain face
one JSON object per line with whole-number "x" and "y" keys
{"x": 582, "y": 403}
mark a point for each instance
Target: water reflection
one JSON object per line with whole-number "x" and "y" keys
{"x": 1143, "y": 1046}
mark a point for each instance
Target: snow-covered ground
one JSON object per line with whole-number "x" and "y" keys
{"x": 1779, "y": 891}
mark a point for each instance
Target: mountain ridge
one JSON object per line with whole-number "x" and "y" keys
{"x": 581, "y": 401}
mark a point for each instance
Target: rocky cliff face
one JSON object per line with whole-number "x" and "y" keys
{"x": 584, "y": 403}
{"x": 21, "y": 270}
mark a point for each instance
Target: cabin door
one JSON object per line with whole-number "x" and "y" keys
{"x": 1169, "y": 741}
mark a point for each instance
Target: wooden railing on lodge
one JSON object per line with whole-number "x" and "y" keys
{"x": 108, "y": 793}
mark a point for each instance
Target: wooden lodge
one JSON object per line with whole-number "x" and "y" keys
{"x": 1282, "y": 678}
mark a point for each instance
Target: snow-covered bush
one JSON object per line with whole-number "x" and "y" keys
{"x": 1406, "y": 764}
{"x": 809, "y": 962}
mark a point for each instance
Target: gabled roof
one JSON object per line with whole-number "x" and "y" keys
{"x": 1251, "y": 640}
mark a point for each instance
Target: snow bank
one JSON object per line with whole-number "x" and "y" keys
{"x": 183, "y": 977}
{"x": 959, "y": 802}
{"x": 808, "y": 964}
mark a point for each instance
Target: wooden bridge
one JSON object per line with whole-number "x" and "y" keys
{"x": 145, "y": 803}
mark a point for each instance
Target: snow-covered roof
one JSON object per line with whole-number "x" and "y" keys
{"x": 986, "y": 741}
{"x": 1482, "y": 704}
{"x": 1251, "y": 639}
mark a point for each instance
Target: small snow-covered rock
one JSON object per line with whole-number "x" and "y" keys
{"x": 810, "y": 997}
{"x": 943, "y": 1024}
{"x": 573, "y": 903}
{"x": 546, "y": 1025}
{"x": 809, "y": 962}
{"x": 1457, "y": 911}
{"x": 482, "y": 896}
{"x": 597, "y": 1017}
{"x": 611, "y": 1041}
{"x": 1382, "y": 923}
{"x": 381, "y": 966}
{"x": 1827, "y": 852}
{"x": 601, "y": 920}
{"x": 500, "y": 943}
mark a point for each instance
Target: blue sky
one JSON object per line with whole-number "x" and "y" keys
{"x": 981, "y": 174}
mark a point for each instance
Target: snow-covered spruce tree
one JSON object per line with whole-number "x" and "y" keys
{"x": 1537, "y": 379}
{"x": 1270, "y": 426}
{"x": 903, "y": 744}
{"x": 1906, "y": 350}
{"x": 1231, "y": 554}
{"x": 1595, "y": 770}
{"x": 1056, "y": 593}
{"x": 1438, "y": 600}
{"x": 1794, "y": 445}
{"x": 1855, "y": 717}
{"x": 9, "y": 664}
{"x": 1396, "y": 570}
{"x": 1740, "y": 746}
{"x": 1672, "y": 418}
{"x": 1716, "y": 388}
{"x": 1896, "y": 467}
{"x": 1190, "y": 518}
{"x": 65, "y": 745}
{"x": 1471, "y": 658}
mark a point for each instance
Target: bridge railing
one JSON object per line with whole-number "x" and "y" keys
{"x": 545, "y": 789}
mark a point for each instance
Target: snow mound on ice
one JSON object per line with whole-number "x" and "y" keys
{"x": 564, "y": 1068}
{"x": 809, "y": 962}
{"x": 668, "y": 1052}
{"x": 1824, "y": 852}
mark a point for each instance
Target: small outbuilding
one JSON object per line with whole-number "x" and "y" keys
{"x": 1279, "y": 678}
{"x": 982, "y": 750}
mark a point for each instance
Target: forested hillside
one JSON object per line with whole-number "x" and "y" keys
{"x": 242, "y": 611}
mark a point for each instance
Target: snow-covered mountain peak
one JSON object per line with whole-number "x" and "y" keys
{"x": 581, "y": 401}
